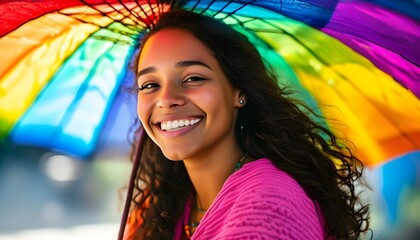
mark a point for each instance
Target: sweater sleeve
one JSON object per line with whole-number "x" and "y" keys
{"x": 272, "y": 213}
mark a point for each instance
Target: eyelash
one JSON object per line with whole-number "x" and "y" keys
{"x": 148, "y": 86}
{"x": 194, "y": 78}
{"x": 154, "y": 85}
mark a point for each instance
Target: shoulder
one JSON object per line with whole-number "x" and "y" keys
{"x": 272, "y": 203}
{"x": 262, "y": 175}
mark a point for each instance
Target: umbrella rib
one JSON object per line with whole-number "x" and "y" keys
{"x": 106, "y": 27}
{"x": 222, "y": 8}
{"x": 152, "y": 9}
{"x": 129, "y": 10}
{"x": 243, "y": 4}
{"x": 107, "y": 15}
{"x": 171, "y": 3}
{"x": 145, "y": 13}
{"x": 130, "y": 14}
{"x": 207, "y": 7}
{"x": 195, "y": 5}
{"x": 239, "y": 8}
{"x": 160, "y": 8}
{"x": 114, "y": 40}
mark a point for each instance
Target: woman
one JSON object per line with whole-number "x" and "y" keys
{"x": 228, "y": 154}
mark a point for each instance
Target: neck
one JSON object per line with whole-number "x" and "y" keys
{"x": 209, "y": 172}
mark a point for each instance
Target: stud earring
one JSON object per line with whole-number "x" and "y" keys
{"x": 241, "y": 101}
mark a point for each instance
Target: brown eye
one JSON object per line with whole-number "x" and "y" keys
{"x": 148, "y": 86}
{"x": 194, "y": 79}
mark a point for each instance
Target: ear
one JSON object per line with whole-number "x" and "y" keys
{"x": 240, "y": 99}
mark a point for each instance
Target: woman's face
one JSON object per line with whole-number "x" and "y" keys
{"x": 185, "y": 102}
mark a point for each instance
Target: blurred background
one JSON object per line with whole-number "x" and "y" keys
{"x": 49, "y": 195}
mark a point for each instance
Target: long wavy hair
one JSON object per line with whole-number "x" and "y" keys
{"x": 271, "y": 125}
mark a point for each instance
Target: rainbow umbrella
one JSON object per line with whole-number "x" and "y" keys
{"x": 355, "y": 62}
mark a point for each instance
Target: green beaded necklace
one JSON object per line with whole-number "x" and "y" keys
{"x": 241, "y": 161}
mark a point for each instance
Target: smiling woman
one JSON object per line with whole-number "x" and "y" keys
{"x": 184, "y": 85}
{"x": 228, "y": 154}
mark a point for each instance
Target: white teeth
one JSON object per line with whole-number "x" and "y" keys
{"x": 177, "y": 124}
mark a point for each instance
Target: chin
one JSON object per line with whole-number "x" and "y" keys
{"x": 173, "y": 156}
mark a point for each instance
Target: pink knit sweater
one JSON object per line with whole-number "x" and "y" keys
{"x": 258, "y": 201}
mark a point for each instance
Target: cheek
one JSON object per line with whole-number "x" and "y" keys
{"x": 143, "y": 109}
{"x": 217, "y": 97}
{"x": 207, "y": 101}
{"x": 217, "y": 105}
{"x": 211, "y": 95}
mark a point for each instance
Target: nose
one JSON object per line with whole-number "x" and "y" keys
{"x": 170, "y": 96}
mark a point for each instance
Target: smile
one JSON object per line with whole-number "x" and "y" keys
{"x": 178, "y": 124}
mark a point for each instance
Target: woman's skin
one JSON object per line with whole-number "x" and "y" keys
{"x": 179, "y": 79}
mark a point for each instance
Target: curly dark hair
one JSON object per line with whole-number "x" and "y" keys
{"x": 275, "y": 126}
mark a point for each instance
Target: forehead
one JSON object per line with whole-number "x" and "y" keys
{"x": 173, "y": 44}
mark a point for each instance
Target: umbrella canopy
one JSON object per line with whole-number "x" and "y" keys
{"x": 354, "y": 62}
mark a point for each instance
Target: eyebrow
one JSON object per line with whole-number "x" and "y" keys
{"x": 191, "y": 63}
{"x": 178, "y": 64}
{"x": 146, "y": 71}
